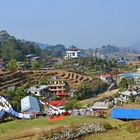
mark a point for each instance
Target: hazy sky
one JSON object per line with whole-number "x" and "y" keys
{"x": 84, "y": 23}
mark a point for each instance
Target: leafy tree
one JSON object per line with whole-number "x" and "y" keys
{"x": 9, "y": 50}
{"x": 90, "y": 89}
{"x": 56, "y": 98}
{"x": 56, "y": 51}
{"x": 131, "y": 83}
{"x": 44, "y": 80}
{"x": 123, "y": 85}
{"x": 12, "y": 48}
{"x": 16, "y": 96}
{"x": 13, "y": 65}
{"x": 132, "y": 98}
{"x": 36, "y": 64}
{"x": 26, "y": 64}
{"x": 72, "y": 104}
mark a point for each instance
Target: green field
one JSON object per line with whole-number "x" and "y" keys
{"x": 36, "y": 128}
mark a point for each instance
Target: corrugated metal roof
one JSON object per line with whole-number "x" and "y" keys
{"x": 38, "y": 88}
{"x": 100, "y": 105}
{"x": 123, "y": 113}
{"x": 29, "y": 102}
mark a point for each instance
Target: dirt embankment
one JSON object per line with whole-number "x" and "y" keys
{"x": 99, "y": 97}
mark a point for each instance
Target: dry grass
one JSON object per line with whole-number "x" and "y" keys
{"x": 114, "y": 135}
{"x": 125, "y": 131}
{"x": 99, "y": 97}
{"x": 130, "y": 105}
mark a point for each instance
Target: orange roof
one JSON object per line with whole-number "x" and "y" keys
{"x": 57, "y": 102}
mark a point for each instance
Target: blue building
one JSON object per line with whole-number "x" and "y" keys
{"x": 30, "y": 104}
{"x": 125, "y": 113}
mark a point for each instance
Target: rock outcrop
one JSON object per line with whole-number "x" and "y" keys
{"x": 79, "y": 131}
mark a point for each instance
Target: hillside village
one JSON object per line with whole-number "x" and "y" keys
{"x": 34, "y": 86}
{"x": 69, "y": 70}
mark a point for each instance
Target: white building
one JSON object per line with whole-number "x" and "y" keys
{"x": 72, "y": 53}
{"x": 126, "y": 95}
{"x": 38, "y": 90}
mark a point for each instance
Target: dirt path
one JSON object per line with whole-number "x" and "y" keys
{"x": 98, "y": 97}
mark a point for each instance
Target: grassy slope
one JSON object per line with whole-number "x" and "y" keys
{"x": 124, "y": 131}
{"x": 114, "y": 135}
{"x": 26, "y": 128}
{"x": 30, "y": 129}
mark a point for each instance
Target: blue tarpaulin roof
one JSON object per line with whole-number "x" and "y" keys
{"x": 125, "y": 113}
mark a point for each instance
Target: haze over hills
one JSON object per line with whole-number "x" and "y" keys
{"x": 135, "y": 47}
{"x": 114, "y": 51}
{"x": 42, "y": 45}
{"x": 19, "y": 48}
{"x": 10, "y": 47}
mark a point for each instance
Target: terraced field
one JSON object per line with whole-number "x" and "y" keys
{"x": 19, "y": 78}
{"x": 26, "y": 78}
{"x": 75, "y": 80}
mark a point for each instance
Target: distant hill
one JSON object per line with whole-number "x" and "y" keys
{"x": 110, "y": 50}
{"x": 118, "y": 52}
{"x": 56, "y": 50}
{"x": 42, "y": 45}
{"x": 12, "y": 48}
{"x": 135, "y": 47}
{"x": 4, "y": 36}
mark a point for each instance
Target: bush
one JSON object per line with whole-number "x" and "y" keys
{"x": 72, "y": 104}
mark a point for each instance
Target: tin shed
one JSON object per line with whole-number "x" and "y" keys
{"x": 29, "y": 104}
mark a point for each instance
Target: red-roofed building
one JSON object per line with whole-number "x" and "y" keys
{"x": 58, "y": 103}
{"x": 106, "y": 77}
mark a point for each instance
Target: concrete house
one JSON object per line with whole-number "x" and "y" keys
{"x": 72, "y": 53}
{"x": 57, "y": 86}
{"x": 40, "y": 90}
{"x": 126, "y": 95}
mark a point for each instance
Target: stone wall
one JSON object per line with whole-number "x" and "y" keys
{"x": 72, "y": 133}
